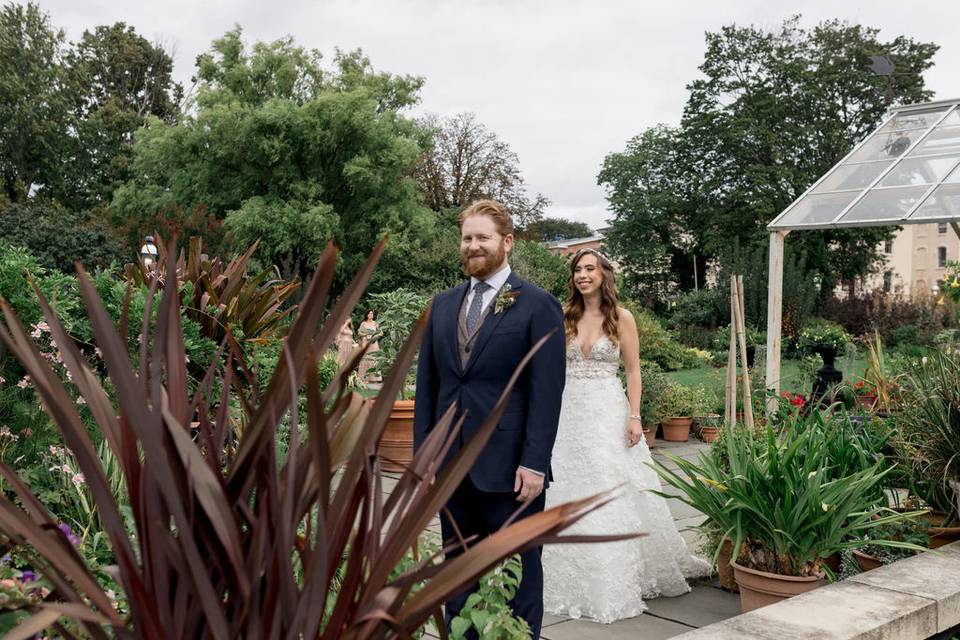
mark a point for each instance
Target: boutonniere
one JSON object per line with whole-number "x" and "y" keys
{"x": 505, "y": 299}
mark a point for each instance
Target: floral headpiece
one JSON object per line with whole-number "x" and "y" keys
{"x": 602, "y": 256}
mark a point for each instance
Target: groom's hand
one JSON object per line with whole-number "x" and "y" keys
{"x": 528, "y": 483}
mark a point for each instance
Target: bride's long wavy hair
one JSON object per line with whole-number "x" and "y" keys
{"x": 609, "y": 301}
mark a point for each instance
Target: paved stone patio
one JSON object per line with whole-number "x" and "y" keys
{"x": 666, "y": 617}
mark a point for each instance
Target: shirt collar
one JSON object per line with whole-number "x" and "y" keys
{"x": 496, "y": 281}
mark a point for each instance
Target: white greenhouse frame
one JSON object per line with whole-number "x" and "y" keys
{"x": 906, "y": 172}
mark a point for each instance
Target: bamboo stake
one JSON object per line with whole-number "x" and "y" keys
{"x": 731, "y": 387}
{"x": 741, "y": 333}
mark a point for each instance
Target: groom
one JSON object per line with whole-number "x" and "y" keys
{"x": 477, "y": 334}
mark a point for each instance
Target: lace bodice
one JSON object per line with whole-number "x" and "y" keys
{"x": 603, "y": 361}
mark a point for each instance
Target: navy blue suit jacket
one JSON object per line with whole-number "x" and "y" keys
{"x": 528, "y": 428}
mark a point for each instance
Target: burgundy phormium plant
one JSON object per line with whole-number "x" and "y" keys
{"x": 231, "y": 542}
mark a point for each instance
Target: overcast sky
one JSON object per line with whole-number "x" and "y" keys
{"x": 563, "y": 82}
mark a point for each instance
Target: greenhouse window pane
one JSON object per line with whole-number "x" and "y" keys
{"x": 885, "y": 204}
{"x": 884, "y": 146}
{"x": 940, "y": 140}
{"x": 954, "y": 177}
{"x": 919, "y": 171}
{"x": 944, "y": 202}
{"x": 952, "y": 119}
{"x": 817, "y": 208}
{"x": 916, "y": 120}
{"x": 852, "y": 176}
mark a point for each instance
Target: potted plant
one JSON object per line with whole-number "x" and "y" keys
{"x": 930, "y": 439}
{"x": 709, "y": 426}
{"x": 398, "y": 310}
{"x": 785, "y": 505}
{"x": 654, "y": 383}
{"x": 753, "y": 337}
{"x": 678, "y": 404}
{"x": 824, "y": 338}
{"x": 870, "y": 556}
{"x": 865, "y": 394}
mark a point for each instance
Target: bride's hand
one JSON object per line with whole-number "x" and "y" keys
{"x": 634, "y": 433}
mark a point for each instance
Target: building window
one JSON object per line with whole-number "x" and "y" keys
{"x": 941, "y": 257}
{"x": 888, "y": 247}
{"x": 941, "y": 227}
{"x": 887, "y": 281}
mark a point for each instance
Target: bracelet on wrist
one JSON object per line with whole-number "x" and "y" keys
{"x": 636, "y": 417}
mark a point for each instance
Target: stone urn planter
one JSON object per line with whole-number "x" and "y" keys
{"x": 866, "y": 561}
{"x": 677, "y": 428}
{"x": 759, "y": 588}
{"x": 396, "y": 446}
{"x": 828, "y": 376}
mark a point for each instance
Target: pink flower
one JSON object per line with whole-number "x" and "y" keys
{"x": 23, "y": 384}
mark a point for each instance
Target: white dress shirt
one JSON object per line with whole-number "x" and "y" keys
{"x": 496, "y": 281}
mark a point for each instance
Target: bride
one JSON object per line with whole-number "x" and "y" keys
{"x": 600, "y": 446}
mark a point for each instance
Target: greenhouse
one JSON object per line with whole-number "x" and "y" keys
{"x": 905, "y": 172}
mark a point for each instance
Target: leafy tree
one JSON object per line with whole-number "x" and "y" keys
{"x": 57, "y": 237}
{"x": 549, "y": 229}
{"x": 284, "y": 150}
{"x": 123, "y": 79}
{"x": 469, "y": 162}
{"x": 651, "y": 196}
{"x": 37, "y": 101}
{"x": 773, "y": 111}
{"x": 534, "y": 262}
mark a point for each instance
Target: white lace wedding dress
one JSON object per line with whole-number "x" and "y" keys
{"x": 608, "y": 581}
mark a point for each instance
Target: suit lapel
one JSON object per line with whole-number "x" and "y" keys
{"x": 489, "y": 325}
{"x": 452, "y": 323}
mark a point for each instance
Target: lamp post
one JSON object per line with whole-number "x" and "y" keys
{"x": 148, "y": 253}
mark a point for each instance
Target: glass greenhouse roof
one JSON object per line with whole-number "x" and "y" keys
{"x": 905, "y": 172}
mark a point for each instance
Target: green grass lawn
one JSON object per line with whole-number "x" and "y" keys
{"x": 790, "y": 379}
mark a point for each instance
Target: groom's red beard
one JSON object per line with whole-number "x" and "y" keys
{"x": 481, "y": 269}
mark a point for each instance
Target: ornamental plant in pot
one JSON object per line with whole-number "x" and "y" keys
{"x": 398, "y": 312}
{"x": 785, "y": 504}
{"x": 654, "y": 383}
{"x": 870, "y": 556}
{"x": 929, "y": 422}
{"x": 678, "y": 404}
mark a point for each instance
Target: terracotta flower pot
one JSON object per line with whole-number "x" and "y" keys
{"x": 759, "y": 588}
{"x": 728, "y": 581}
{"x": 866, "y": 402}
{"x": 866, "y": 562}
{"x": 396, "y": 446}
{"x": 677, "y": 429}
{"x": 941, "y": 531}
{"x": 709, "y": 434}
{"x": 651, "y": 437}
{"x": 833, "y": 562}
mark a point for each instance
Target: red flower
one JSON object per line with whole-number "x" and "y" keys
{"x": 798, "y": 401}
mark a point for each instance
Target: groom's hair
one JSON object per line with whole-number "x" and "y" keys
{"x": 501, "y": 217}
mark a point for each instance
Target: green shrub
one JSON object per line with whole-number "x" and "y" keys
{"x": 658, "y": 345}
{"x": 907, "y": 334}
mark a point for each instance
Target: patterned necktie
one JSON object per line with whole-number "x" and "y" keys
{"x": 476, "y": 306}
